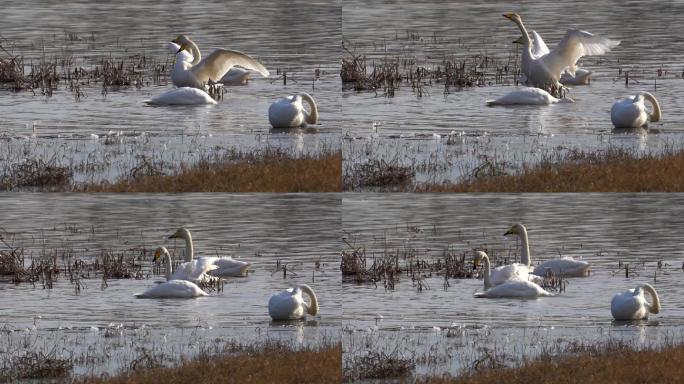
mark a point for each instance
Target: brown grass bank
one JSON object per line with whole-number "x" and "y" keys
{"x": 272, "y": 171}
{"x": 269, "y": 364}
{"x": 606, "y": 365}
{"x": 615, "y": 170}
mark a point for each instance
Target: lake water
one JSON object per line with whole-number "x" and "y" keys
{"x": 604, "y": 229}
{"x": 114, "y": 328}
{"x": 393, "y": 128}
{"x": 299, "y": 38}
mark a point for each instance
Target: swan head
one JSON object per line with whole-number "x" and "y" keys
{"x": 181, "y": 233}
{"x": 516, "y": 229}
{"x": 478, "y": 257}
{"x": 512, "y": 16}
{"x": 181, "y": 39}
{"x": 159, "y": 253}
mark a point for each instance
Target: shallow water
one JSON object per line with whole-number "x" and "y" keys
{"x": 603, "y": 229}
{"x": 298, "y": 230}
{"x": 298, "y": 38}
{"x": 429, "y": 32}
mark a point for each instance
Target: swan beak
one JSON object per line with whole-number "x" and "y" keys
{"x": 511, "y": 231}
{"x": 174, "y": 236}
{"x": 157, "y": 255}
{"x": 508, "y": 15}
{"x": 518, "y": 40}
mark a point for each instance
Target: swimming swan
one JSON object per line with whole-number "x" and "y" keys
{"x": 631, "y": 111}
{"x": 212, "y": 68}
{"x": 172, "y": 288}
{"x": 290, "y": 305}
{"x": 528, "y": 96}
{"x": 565, "y": 266}
{"x": 632, "y": 305}
{"x": 545, "y": 71}
{"x": 226, "y": 266}
{"x": 289, "y": 112}
{"x": 182, "y": 96}
{"x": 510, "y": 288}
{"x": 235, "y": 76}
{"x": 539, "y": 49}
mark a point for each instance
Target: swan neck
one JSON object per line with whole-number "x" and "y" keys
{"x": 169, "y": 267}
{"x": 189, "y": 249}
{"x": 194, "y": 50}
{"x": 312, "y": 115}
{"x": 487, "y": 271}
{"x": 656, "y": 114}
{"x": 654, "y": 307}
{"x": 312, "y": 308}
{"x": 524, "y": 247}
{"x": 527, "y": 42}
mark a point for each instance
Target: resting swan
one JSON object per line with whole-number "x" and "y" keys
{"x": 632, "y": 305}
{"x": 210, "y": 69}
{"x": 290, "y": 305}
{"x": 565, "y": 266}
{"x": 235, "y": 76}
{"x": 289, "y": 111}
{"x": 226, "y": 266}
{"x": 545, "y": 71}
{"x": 539, "y": 49}
{"x": 173, "y": 287}
{"x": 631, "y": 111}
{"x": 528, "y": 96}
{"x": 510, "y": 288}
{"x": 182, "y": 96}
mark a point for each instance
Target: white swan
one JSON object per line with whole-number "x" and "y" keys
{"x": 631, "y": 112}
{"x": 545, "y": 71}
{"x": 182, "y": 96}
{"x": 632, "y": 305}
{"x": 289, "y": 112}
{"x": 527, "y": 96}
{"x": 173, "y": 287}
{"x": 539, "y": 49}
{"x": 235, "y": 76}
{"x": 226, "y": 266}
{"x": 290, "y": 305}
{"x": 210, "y": 69}
{"x": 564, "y": 266}
{"x": 510, "y": 288}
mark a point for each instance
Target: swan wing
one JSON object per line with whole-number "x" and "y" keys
{"x": 286, "y": 305}
{"x": 517, "y": 289}
{"x": 574, "y": 45}
{"x": 216, "y": 65}
{"x": 628, "y": 305}
{"x": 229, "y": 267}
{"x": 182, "y": 96}
{"x": 194, "y": 270}
{"x": 539, "y": 47}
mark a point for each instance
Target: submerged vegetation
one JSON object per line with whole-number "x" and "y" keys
{"x": 271, "y": 170}
{"x": 268, "y": 363}
{"x": 613, "y": 170}
{"x": 609, "y": 363}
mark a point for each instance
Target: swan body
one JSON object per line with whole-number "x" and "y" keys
{"x": 192, "y": 71}
{"x": 539, "y": 49}
{"x": 182, "y": 96}
{"x": 510, "y": 288}
{"x": 527, "y": 96}
{"x": 290, "y": 305}
{"x": 545, "y": 71}
{"x": 565, "y": 266}
{"x": 631, "y": 112}
{"x": 179, "y": 289}
{"x": 235, "y": 76}
{"x": 225, "y": 266}
{"x": 632, "y": 305}
{"x": 289, "y": 112}
{"x": 174, "y": 287}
